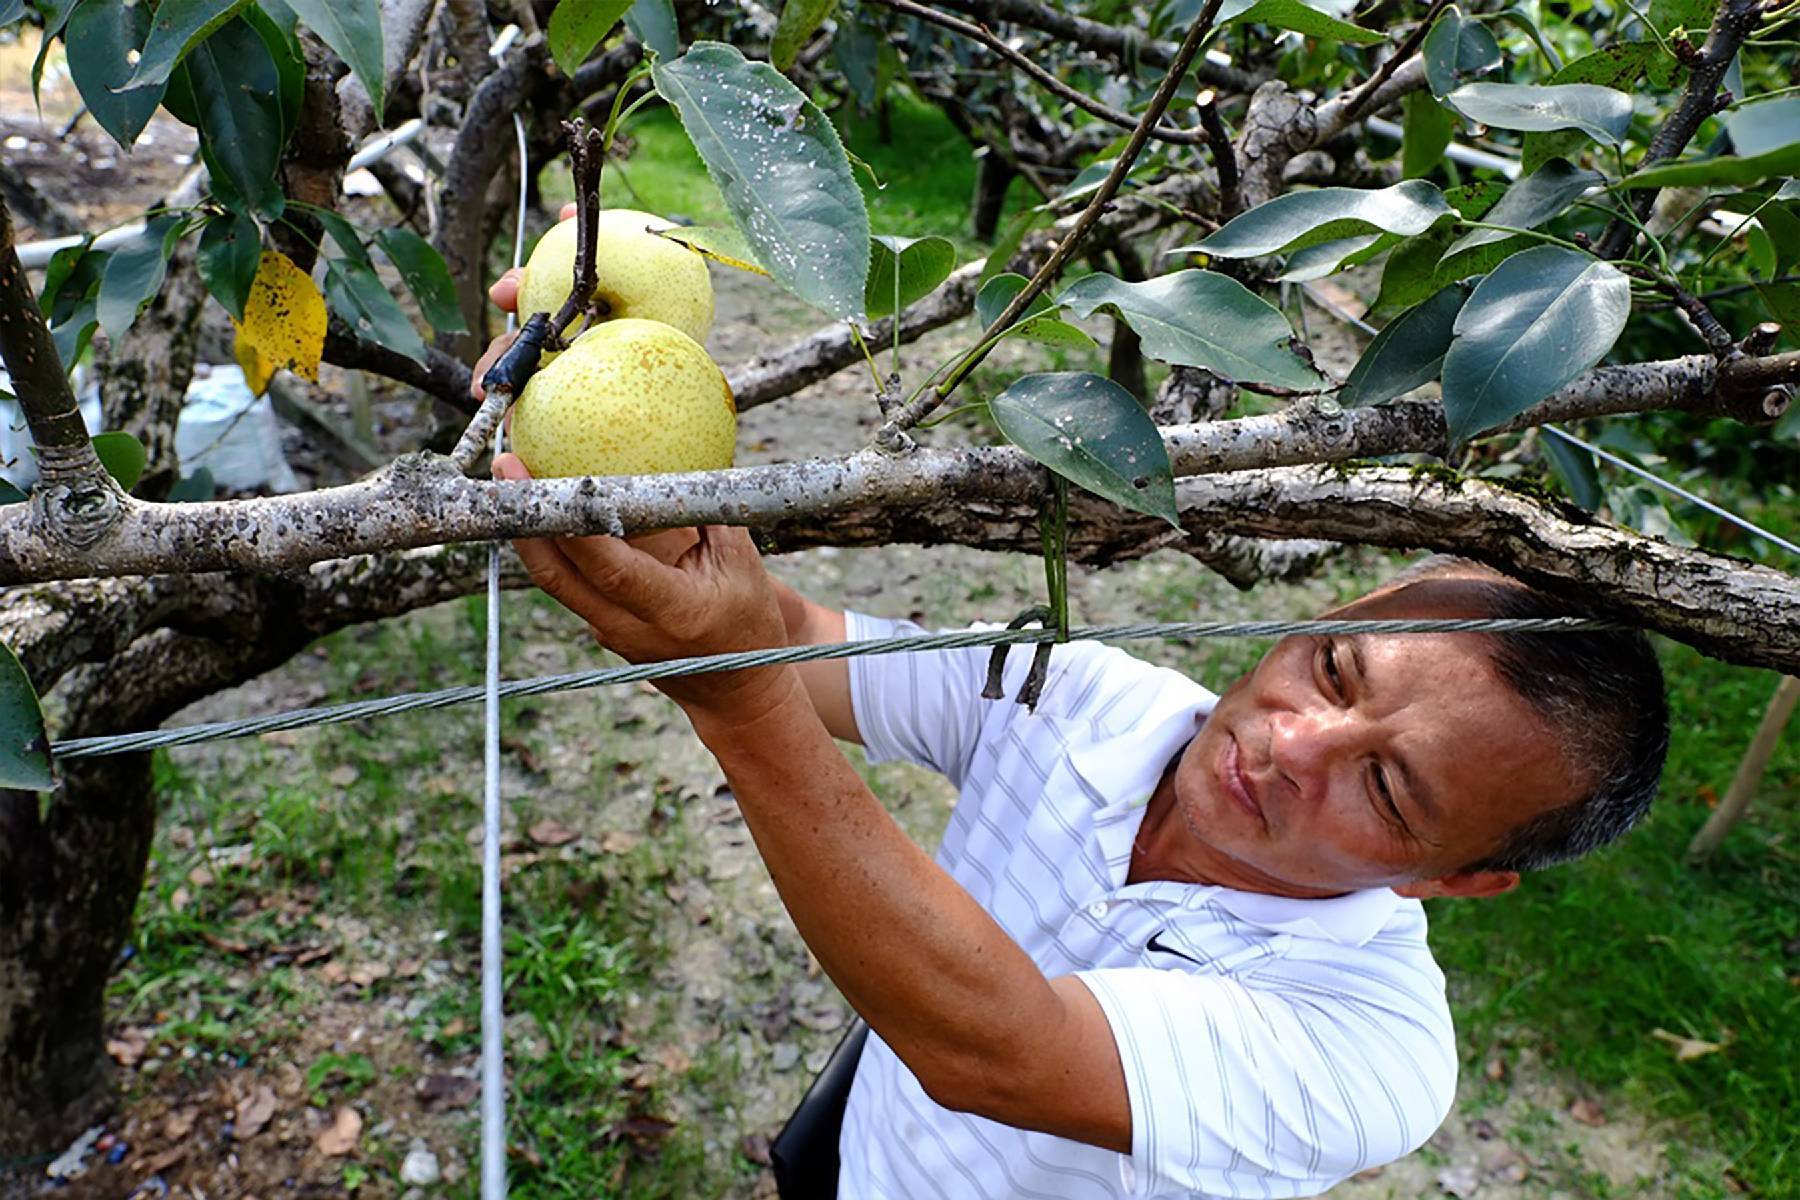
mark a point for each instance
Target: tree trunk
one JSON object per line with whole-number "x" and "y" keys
{"x": 993, "y": 176}
{"x": 68, "y": 884}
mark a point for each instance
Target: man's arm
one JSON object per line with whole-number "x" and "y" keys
{"x": 958, "y": 1000}
{"x": 827, "y": 682}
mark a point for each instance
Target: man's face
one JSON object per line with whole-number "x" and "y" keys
{"x": 1365, "y": 761}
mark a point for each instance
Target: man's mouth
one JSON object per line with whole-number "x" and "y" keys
{"x": 1236, "y": 783}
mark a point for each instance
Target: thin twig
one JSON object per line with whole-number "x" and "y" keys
{"x": 1392, "y": 62}
{"x": 1224, "y": 156}
{"x": 891, "y": 436}
{"x": 1735, "y": 21}
{"x": 1080, "y": 99}
{"x": 1718, "y": 338}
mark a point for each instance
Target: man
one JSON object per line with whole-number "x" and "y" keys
{"x": 1172, "y": 943}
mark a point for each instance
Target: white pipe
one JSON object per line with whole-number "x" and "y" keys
{"x": 1456, "y": 152}
{"x": 377, "y": 148}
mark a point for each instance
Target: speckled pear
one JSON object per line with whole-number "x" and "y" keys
{"x": 638, "y": 274}
{"x": 629, "y": 397}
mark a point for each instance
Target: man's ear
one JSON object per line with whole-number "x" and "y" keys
{"x": 1462, "y": 883}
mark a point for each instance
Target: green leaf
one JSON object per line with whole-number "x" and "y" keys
{"x": 352, "y": 28}
{"x": 1532, "y": 201}
{"x": 290, "y": 64}
{"x": 426, "y": 277}
{"x": 357, "y": 294}
{"x": 11, "y": 10}
{"x": 1619, "y": 65}
{"x": 189, "y": 488}
{"x": 55, "y": 14}
{"x": 122, "y": 455}
{"x": 230, "y": 249}
{"x": 653, "y": 23}
{"x": 24, "y": 745}
{"x": 1575, "y": 467}
{"x": 8, "y": 493}
{"x": 856, "y": 48}
{"x": 134, "y": 273}
{"x": 781, "y": 169}
{"x": 1038, "y": 323}
{"x": 346, "y": 236}
{"x": 1602, "y": 113}
{"x": 235, "y": 88}
{"x": 1326, "y": 258}
{"x": 800, "y": 19}
{"x": 1200, "y": 319}
{"x": 1426, "y": 128}
{"x": 1456, "y": 51}
{"x": 73, "y": 334}
{"x": 1407, "y": 354}
{"x": 902, "y": 270}
{"x": 1726, "y": 169}
{"x": 178, "y": 26}
{"x": 1093, "y": 433}
{"x": 1416, "y": 268}
{"x": 71, "y": 274}
{"x": 101, "y": 33}
{"x": 577, "y": 26}
{"x": 1781, "y": 225}
{"x": 1300, "y": 219}
{"x": 1541, "y": 318}
{"x": 1297, "y": 16}
{"x": 1695, "y": 16}
{"x": 1764, "y": 126}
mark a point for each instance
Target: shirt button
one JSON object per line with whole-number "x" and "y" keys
{"x": 1098, "y": 908}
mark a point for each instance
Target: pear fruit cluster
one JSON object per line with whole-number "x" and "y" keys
{"x": 635, "y": 393}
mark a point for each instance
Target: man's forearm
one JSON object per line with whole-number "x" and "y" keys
{"x": 942, "y": 983}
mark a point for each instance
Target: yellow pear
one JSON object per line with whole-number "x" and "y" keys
{"x": 638, "y": 274}
{"x": 629, "y": 397}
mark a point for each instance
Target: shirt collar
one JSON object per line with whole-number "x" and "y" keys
{"x": 1123, "y": 771}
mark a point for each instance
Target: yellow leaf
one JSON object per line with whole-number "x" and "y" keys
{"x": 284, "y": 321}
{"x": 1687, "y": 1049}
{"x": 257, "y": 369}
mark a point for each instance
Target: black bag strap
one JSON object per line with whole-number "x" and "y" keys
{"x": 805, "y": 1155}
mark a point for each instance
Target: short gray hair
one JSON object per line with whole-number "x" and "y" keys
{"x": 1600, "y": 693}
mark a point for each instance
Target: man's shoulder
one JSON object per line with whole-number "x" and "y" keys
{"x": 1095, "y": 681}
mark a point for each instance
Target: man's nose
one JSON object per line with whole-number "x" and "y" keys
{"x": 1305, "y": 744}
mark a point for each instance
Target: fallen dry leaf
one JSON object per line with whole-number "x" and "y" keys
{"x": 255, "y": 1110}
{"x": 280, "y": 737}
{"x": 526, "y": 755}
{"x": 341, "y": 1138}
{"x": 342, "y": 776}
{"x": 1686, "y": 1048}
{"x": 200, "y": 877}
{"x": 178, "y": 899}
{"x": 128, "y": 1047}
{"x": 311, "y": 955}
{"x": 1587, "y": 1112}
{"x": 180, "y": 1123}
{"x": 619, "y": 842}
{"x": 407, "y": 968}
{"x": 673, "y": 1058}
{"x": 551, "y": 832}
{"x": 334, "y": 972}
{"x": 439, "y": 1092}
{"x": 365, "y": 974}
{"x": 1495, "y": 1069}
{"x": 224, "y": 944}
{"x": 441, "y": 785}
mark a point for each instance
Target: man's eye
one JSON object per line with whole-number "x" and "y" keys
{"x": 1387, "y": 796}
{"x": 1332, "y": 674}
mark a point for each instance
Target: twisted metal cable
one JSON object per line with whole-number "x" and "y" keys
{"x": 961, "y": 639}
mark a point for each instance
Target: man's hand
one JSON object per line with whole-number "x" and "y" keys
{"x": 648, "y": 604}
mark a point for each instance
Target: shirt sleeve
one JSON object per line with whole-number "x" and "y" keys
{"x": 1239, "y": 1090}
{"x": 926, "y": 708}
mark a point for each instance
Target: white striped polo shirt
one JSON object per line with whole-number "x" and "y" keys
{"x": 1272, "y": 1047}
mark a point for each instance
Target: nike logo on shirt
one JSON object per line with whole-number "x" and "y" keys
{"x": 1156, "y": 943}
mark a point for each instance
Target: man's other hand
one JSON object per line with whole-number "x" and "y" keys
{"x": 649, "y": 603}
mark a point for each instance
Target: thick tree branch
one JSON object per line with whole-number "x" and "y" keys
{"x": 1734, "y": 21}
{"x": 421, "y": 500}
